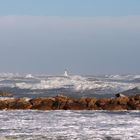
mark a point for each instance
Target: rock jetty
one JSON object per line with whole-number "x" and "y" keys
{"x": 60, "y": 102}
{"x": 5, "y": 94}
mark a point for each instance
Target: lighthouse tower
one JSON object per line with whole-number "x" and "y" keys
{"x": 66, "y": 73}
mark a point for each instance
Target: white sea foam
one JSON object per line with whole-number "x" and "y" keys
{"x": 6, "y": 98}
{"x": 123, "y": 77}
{"x": 80, "y": 125}
{"x": 137, "y": 77}
{"x": 77, "y": 83}
{"x": 9, "y": 75}
{"x": 115, "y": 83}
{"x": 29, "y": 76}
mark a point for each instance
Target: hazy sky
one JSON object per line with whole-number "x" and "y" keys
{"x": 84, "y": 36}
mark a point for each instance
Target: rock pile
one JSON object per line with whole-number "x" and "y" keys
{"x": 5, "y": 94}
{"x": 60, "y": 102}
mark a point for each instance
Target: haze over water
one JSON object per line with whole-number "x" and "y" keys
{"x": 47, "y": 37}
{"x": 97, "y": 41}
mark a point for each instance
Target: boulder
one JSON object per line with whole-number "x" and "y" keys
{"x": 60, "y": 102}
{"x": 75, "y": 105}
{"x": 5, "y": 94}
{"x": 3, "y": 105}
{"x": 103, "y": 102}
{"x": 137, "y": 97}
{"x": 91, "y": 103}
{"x": 19, "y": 103}
{"x": 120, "y": 95}
{"x": 83, "y": 101}
{"x": 42, "y": 103}
{"x": 136, "y": 107}
{"x": 120, "y": 100}
{"x": 134, "y": 103}
{"x": 115, "y": 107}
{"x": 36, "y": 101}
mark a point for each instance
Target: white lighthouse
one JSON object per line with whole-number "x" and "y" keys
{"x": 66, "y": 73}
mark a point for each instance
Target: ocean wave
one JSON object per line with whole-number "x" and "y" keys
{"x": 77, "y": 83}
{"x": 9, "y": 75}
{"x": 29, "y": 76}
{"x": 90, "y": 125}
{"x": 123, "y": 77}
{"x": 115, "y": 83}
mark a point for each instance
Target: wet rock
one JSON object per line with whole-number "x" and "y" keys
{"x": 137, "y": 97}
{"x": 91, "y": 103}
{"x": 60, "y": 102}
{"x": 19, "y": 103}
{"x": 46, "y": 104}
{"x": 3, "y": 105}
{"x": 42, "y": 103}
{"x": 115, "y": 107}
{"x": 134, "y": 102}
{"x": 83, "y": 101}
{"x": 5, "y": 94}
{"x": 75, "y": 105}
{"x": 120, "y": 100}
{"x": 133, "y": 105}
{"x": 103, "y": 102}
{"x": 120, "y": 95}
{"x": 136, "y": 107}
{"x": 36, "y": 101}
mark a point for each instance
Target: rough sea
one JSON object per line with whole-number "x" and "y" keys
{"x": 69, "y": 125}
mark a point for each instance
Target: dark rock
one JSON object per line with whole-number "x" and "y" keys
{"x": 120, "y": 95}
{"x": 42, "y": 103}
{"x": 60, "y": 102}
{"x": 3, "y": 105}
{"x": 92, "y": 103}
{"x": 73, "y": 104}
{"x": 19, "y": 103}
{"x": 83, "y": 100}
{"x": 114, "y": 107}
{"x": 137, "y": 97}
{"x": 119, "y": 100}
{"x": 36, "y": 101}
{"x": 5, "y": 94}
{"x": 102, "y": 102}
{"x": 134, "y": 102}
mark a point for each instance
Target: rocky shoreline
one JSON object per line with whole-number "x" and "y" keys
{"x": 61, "y": 102}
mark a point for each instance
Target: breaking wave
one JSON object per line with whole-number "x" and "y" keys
{"x": 69, "y": 125}
{"x": 77, "y": 83}
{"x": 104, "y": 83}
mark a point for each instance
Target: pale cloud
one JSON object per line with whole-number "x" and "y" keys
{"x": 7, "y": 21}
{"x": 83, "y": 44}
{"x": 60, "y": 23}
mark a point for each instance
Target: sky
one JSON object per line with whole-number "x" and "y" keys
{"x": 83, "y": 36}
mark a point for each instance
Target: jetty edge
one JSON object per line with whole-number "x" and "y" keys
{"x": 61, "y": 102}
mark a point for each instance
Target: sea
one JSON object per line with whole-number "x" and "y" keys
{"x": 69, "y": 125}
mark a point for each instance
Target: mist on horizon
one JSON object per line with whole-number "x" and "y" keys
{"x": 103, "y": 40}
